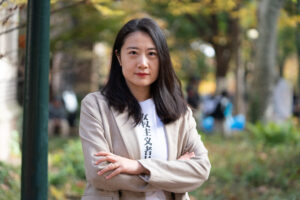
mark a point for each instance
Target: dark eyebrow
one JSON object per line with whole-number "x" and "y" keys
{"x": 151, "y": 48}
{"x": 132, "y": 48}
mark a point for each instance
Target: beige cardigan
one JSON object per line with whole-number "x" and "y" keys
{"x": 102, "y": 128}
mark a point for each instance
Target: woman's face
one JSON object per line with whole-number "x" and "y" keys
{"x": 139, "y": 61}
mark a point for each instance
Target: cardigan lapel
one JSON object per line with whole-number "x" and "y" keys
{"x": 127, "y": 132}
{"x": 172, "y": 141}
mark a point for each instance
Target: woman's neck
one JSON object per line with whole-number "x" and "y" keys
{"x": 141, "y": 94}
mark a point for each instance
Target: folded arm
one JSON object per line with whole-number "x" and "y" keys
{"x": 93, "y": 141}
{"x": 181, "y": 175}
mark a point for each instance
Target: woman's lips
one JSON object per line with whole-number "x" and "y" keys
{"x": 142, "y": 74}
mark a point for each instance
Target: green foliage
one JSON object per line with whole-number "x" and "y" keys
{"x": 66, "y": 167}
{"x": 275, "y": 133}
{"x": 256, "y": 176}
{"x": 85, "y": 26}
{"x": 68, "y": 162}
{"x": 286, "y": 45}
{"x": 193, "y": 64}
{"x": 243, "y": 168}
{"x": 9, "y": 182}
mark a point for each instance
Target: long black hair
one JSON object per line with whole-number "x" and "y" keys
{"x": 165, "y": 91}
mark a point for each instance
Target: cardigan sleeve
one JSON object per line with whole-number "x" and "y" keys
{"x": 181, "y": 176}
{"x": 93, "y": 140}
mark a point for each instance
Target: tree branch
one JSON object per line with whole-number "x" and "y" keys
{"x": 52, "y": 12}
{"x": 194, "y": 21}
{"x": 2, "y": 1}
{"x": 14, "y": 28}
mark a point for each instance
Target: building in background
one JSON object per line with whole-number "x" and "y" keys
{"x": 9, "y": 14}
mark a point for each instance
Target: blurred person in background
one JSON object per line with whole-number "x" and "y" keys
{"x": 71, "y": 105}
{"x": 216, "y": 109}
{"x": 296, "y": 105}
{"x": 57, "y": 118}
{"x": 282, "y": 101}
{"x": 193, "y": 97}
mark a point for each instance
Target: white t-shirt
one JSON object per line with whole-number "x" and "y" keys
{"x": 152, "y": 140}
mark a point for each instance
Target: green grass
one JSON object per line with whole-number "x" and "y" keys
{"x": 243, "y": 167}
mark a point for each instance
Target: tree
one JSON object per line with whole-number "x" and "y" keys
{"x": 215, "y": 22}
{"x": 264, "y": 77}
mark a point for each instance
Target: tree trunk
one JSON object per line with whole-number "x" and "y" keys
{"x": 264, "y": 77}
{"x": 281, "y": 67}
{"x": 298, "y": 47}
{"x": 239, "y": 102}
{"x": 224, "y": 48}
{"x": 225, "y": 52}
{"x": 56, "y": 75}
{"x": 221, "y": 84}
{"x": 223, "y": 56}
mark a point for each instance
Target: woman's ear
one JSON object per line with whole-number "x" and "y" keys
{"x": 118, "y": 56}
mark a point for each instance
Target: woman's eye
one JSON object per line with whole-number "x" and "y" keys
{"x": 133, "y": 52}
{"x": 152, "y": 53}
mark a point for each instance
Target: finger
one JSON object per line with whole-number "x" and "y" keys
{"x": 102, "y": 153}
{"x": 111, "y": 159}
{"x": 114, "y": 173}
{"x": 100, "y": 160}
{"x": 183, "y": 157}
{"x": 109, "y": 167}
{"x": 192, "y": 154}
{"x": 187, "y": 156}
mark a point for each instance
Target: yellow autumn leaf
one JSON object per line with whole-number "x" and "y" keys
{"x": 287, "y": 21}
{"x": 56, "y": 193}
{"x": 100, "y": 1}
{"x": 107, "y": 11}
{"x": 18, "y": 1}
{"x": 179, "y": 8}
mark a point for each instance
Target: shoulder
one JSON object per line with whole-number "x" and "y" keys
{"x": 95, "y": 104}
{"x": 187, "y": 115}
{"x": 187, "y": 119}
{"x": 95, "y": 101}
{"x": 94, "y": 98}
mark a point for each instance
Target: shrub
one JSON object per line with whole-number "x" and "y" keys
{"x": 275, "y": 133}
{"x": 67, "y": 163}
{"x": 9, "y": 182}
{"x": 67, "y": 168}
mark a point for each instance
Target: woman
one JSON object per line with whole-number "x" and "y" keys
{"x": 138, "y": 136}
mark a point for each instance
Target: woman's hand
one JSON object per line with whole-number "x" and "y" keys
{"x": 119, "y": 165}
{"x": 187, "y": 156}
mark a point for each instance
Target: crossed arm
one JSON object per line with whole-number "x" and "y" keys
{"x": 119, "y": 164}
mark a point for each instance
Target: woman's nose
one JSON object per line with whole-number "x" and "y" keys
{"x": 143, "y": 62}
